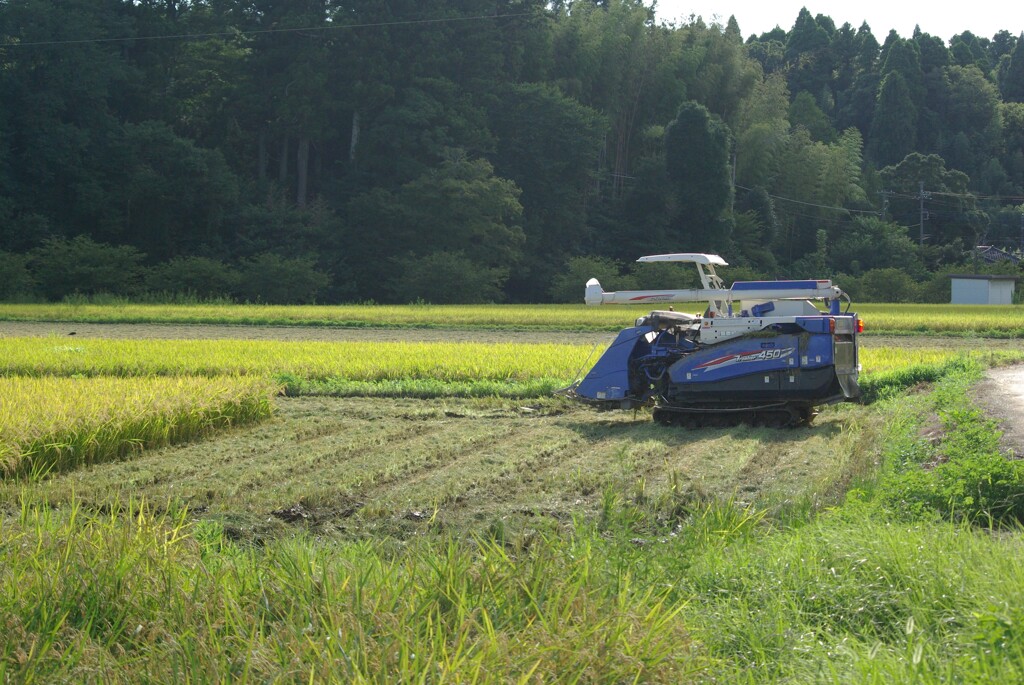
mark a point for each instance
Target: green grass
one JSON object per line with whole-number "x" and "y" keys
{"x": 858, "y": 599}
{"x": 955, "y": 468}
{"x": 717, "y": 593}
{"x": 893, "y": 381}
{"x": 890, "y": 319}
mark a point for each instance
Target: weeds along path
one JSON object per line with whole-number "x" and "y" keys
{"x": 1001, "y": 394}
{"x": 358, "y": 466}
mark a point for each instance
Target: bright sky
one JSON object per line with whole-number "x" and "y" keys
{"x": 940, "y": 18}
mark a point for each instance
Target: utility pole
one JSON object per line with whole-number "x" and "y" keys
{"x": 732, "y": 180}
{"x": 885, "y": 203}
{"x": 922, "y": 196}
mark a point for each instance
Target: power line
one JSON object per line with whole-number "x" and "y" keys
{"x": 820, "y": 219}
{"x": 253, "y": 32}
{"x": 1011, "y": 198}
{"x": 922, "y": 195}
{"x": 962, "y": 196}
{"x": 932, "y": 200}
{"x": 812, "y": 204}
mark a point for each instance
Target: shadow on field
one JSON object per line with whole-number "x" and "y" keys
{"x": 643, "y": 428}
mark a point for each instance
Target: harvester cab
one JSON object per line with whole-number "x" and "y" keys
{"x": 762, "y": 351}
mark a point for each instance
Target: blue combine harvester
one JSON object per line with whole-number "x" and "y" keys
{"x": 762, "y": 352}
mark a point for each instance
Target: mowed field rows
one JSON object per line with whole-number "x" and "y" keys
{"x": 396, "y": 466}
{"x": 383, "y": 453}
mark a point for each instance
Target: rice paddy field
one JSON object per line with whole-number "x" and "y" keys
{"x": 57, "y": 423}
{"x": 889, "y": 319}
{"x": 360, "y": 361}
{"x": 424, "y": 510}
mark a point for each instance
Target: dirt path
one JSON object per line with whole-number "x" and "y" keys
{"x": 15, "y": 329}
{"x": 1001, "y": 394}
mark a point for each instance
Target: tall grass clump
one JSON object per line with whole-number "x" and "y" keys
{"x": 56, "y": 424}
{"x": 132, "y": 597}
{"x": 719, "y": 596}
{"x": 859, "y": 599}
{"x": 898, "y": 378}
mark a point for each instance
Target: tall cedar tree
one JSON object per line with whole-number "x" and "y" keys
{"x": 1013, "y": 82}
{"x": 894, "y": 127}
{"x": 697, "y": 161}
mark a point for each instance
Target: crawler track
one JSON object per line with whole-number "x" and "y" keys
{"x": 783, "y": 415}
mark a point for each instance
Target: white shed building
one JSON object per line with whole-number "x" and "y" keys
{"x": 968, "y": 289}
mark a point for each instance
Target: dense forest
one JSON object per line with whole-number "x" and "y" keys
{"x": 490, "y": 150}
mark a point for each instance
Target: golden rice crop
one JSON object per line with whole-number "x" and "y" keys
{"x": 355, "y": 361}
{"x": 961, "y": 319}
{"x": 49, "y": 423}
{"x": 568, "y": 317}
{"x": 882, "y": 359}
{"x": 360, "y": 361}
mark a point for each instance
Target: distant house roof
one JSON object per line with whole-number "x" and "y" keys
{"x": 986, "y": 277}
{"x": 993, "y": 254}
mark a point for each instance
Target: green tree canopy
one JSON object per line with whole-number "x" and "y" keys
{"x": 81, "y": 265}
{"x": 320, "y": 132}
{"x": 871, "y": 243}
{"x": 549, "y": 146}
{"x": 805, "y": 112}
{"x": 697, "y": 160}
{"x": 971, "y": 110}
{"x": 1012, "y": 83}
{"x": 894, "y": 125}
{"x": 952, "y": 209}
